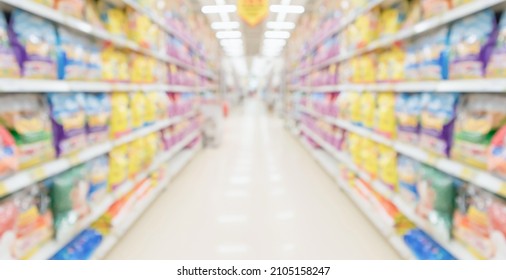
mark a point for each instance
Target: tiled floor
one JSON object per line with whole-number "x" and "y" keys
{"x": 259, "y": 196}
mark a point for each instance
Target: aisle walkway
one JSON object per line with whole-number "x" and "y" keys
{"x": 259, "y": 196}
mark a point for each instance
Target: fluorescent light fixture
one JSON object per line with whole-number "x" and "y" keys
{"x": 217, "y": 9}
{"x": 289, "y": 9}
{"x": 280, "y": 25}
{"x": 228, "y": 34}
{"x": 225, "y": 25}
{"x": 231, "y": 42}
{"x": 274, "y": 42}
{"x": 277, "y": 34}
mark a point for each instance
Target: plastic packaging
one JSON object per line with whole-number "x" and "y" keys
{"x": 9, "y": 67}
{"x": 98, "y": 116}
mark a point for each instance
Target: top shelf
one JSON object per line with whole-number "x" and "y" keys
{"x": 88, "y": 29}
{"x": 417, "y": 29}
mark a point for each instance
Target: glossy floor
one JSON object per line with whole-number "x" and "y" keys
{"x": 258, "y": 196}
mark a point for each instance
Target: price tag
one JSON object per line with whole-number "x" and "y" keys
{"x": 502, "y": 190}
{"x": 38, "y": 174}
{"x": 3, "y": 189}
{"x": 467, "y": 174}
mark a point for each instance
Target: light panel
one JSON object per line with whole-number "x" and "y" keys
{"x": 228, "y": 34}
{"x": 289, "y": 9}
{"x": 225, "y": 25}
{"x": 280, "y": 25}
{"x": 217, "y": 9}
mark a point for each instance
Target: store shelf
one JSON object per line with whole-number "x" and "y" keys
{"x": 90, "y": 30}
{"x": 417, "y": 29}
{"x": 51, "y": 248}
{"x": 330, "y": 166}
{"x": 480, "y": 178}
{"x": 453, "y": 247}
{"x": 27, "y": 85}
{"x": 33, "y": 175}
{"x": 112, "y": 239}
{"x": 478, "y": 85}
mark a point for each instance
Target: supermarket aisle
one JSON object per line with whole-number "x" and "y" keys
{"x": 260, "y": 196}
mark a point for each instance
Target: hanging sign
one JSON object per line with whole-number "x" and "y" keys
{"x": 253, "y": 12}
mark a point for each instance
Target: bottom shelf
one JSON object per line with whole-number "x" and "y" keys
{"x": 175, "y": 165}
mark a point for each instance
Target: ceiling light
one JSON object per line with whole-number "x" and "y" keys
{"x": 277, "y": 34}
{"x": 216, "y": 9}
{"x": 228, "y": 34}
{"x": 280, "y": 25}
{"x": 225, "y": 25}
{"x": 231, "y": 42}
{"x": 289, "y": 9}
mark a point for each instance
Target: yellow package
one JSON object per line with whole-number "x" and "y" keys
{"x": 120, "y": 114}
{"x": 368, "y": 68}
{"x": 355, "y": 147}
{"x": 355, "y": 108}
{"x": 115, "y": 19}
{"x": 139, "y": 66}
{"x": 392, "y": 18}
{"x": 118, "y": 169}
{"x": 383, "y": 74}
{"x": 397, "y": 64}
{"x": 136, "y": 157}
{"x": 368, "y": 109}
{"x": 388, "y": 166}
{"x": 110, "y": 64}
{"x": 138, "y": 25}
{"x": 151, "y": 108}
{"x": 385, "y": 123}
{"x": 367, "y": 25}
{"x": 138, "y": 108}
{"x": 152, "y": 146}
{"x": 369, "y": 157}
{"x": 122, "y": 71}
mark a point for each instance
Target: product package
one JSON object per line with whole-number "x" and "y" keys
{"x": 385, "y": 115}
{"x": 81, "y": 247}
{"x": 98, "y": 116}
{"x": 33, "y": 41}
{"x": 69, "y": 198}
{"x": 496, "y": 161}
{"x": 387, "y": 164}
{"x": 407, "y": 170}
{"x": 91, "y": 14}
{"x": 370, "y": 157}
{"x": 438, "y": 116}
{"x": 120, "y": 114}
{"x": 97, "y": 176}
{"x": 118, "y": 170}
{"x": 433, "y": 64}
{"x": 68, "y": 118}
{"x": 9, "y": 68}
{"x": 74, "y": 8}
{"x": 437, "y": 191}
{"x": 407, "y": 113}
{"x": 93, "y": 61}
{"x": 393, "y": 17}
{"x": 72, "y": 55}
{"x": 479, "y": 222}
{"x": 479, "y": 117}
{"x": 115, "y": 19}
{"x": 431, "y": 8}
{"x": 368, "y": 109}
{"x": 9, "y": 155}
{"x": 496, "y": 67}
{"x": 472, "y": 40}
{"x": 412, "y": 61}
{"x": 424, "y": 247}
{"x": 26, "y": 223}
{"x": 138, "y": 109}
{"x": 26, "y": 116}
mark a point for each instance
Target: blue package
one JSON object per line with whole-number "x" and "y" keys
{"x": 424, "y": 247}
{"x": 33, "y": 41}
{"x": 71, "y": 55}
{"x": 68, "y": 118}
{"x": 81, "y": 247}
{"x": 9, "y": 67}
{"x": 496, "y": 68}
{"x": 93, "y": 61}
{"x": 439, "y": 111}
{"x": 471, "y": 43}
{"x": 98, "y": 116}
{"x": 408, "y": 169}
{"x": 407, "y": 113}
{"x": 434, "y": 55}
{"x": 411, "y": 66}
{"x": 98, "y": 172}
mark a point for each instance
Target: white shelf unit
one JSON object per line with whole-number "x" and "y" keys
{"x": 51, "y": 248}
{"x": 477, "y": 85}
{"x": 176, "y": 165}
{"x": 480, "y": 178}
{"x": 417, "y": 29}
{"x": 25, "y": 178}
{"x": 455, "y": 248}
{"x": 88, "y": 29}
{"x": 329, "y": 164}
{"x": 27, "y": 85}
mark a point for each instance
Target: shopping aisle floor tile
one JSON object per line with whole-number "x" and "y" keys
{"x": 258, "y": 196}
